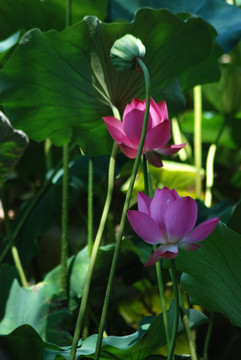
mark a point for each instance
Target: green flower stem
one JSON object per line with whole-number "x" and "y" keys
{"x": 198, "y": 138}
{"x": 27, "y": 212}
{"x": 14, "y": 250}
{"x": 210, "y": 174}
{"x": 64, "y": 237}
{"x": 176, "y": 310}
{"x": 210, "y": 166}
{"x": 149, "y": 192}
{"x": 90, "y": 206}
{"x": 65, "y": 190}
{"x": 188, "y": 331}
{"x": 47, "y": 152}
{"x": 125, "y": 208}
{"x": 147, "y": 178}
{"x": 179, "y": 138}
{"x": 159, "y": 274}
{"x": 84, "y": 300}
{"x": 208, "y": 336}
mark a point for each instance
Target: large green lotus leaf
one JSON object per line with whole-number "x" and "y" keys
{"x": 225, "y": 95}
{"x": 212, "y": 273}
{"x": 235, "y": 223}
{"x": 31, "y": 306}
{"x": 13, "y": 144}
{"x": 60, "y": 85}
{"x": 38, "y": 223}
{"x": 226, "y": 19}
{"x": 7, "y": 275}
{"x": 78, "y": 267}
{"x": 45, "y": 15}
{"x": 23, "y": 343}
{"x": 137, "y": 346}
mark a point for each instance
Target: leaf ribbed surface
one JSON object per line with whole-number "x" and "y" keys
{"x": 60, "y": 85}
{"x": 212, "y": 273}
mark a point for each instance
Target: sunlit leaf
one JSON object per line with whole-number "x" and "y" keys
{"x": 33, "y": 308}
{"x": 59, "y": 85}
{"x": 172, "y": 175}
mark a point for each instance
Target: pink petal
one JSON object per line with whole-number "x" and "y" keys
{"x": 160, "y": 202}
{"x": 180, "y": 218}
{"x": 175, "y": 194}
{"x": 141, "y": 224}
{"x": 170, "y": 149}
{"x": 158, "y": 112}
{"x": 202, "y": 231}
{"x": 161, "y": 252}
{"x": 188, "y": 246}
{"x": 132, "y": 124}
{"x": 163, "y": 110}
{"x": 143, "y": 202}
{"x": 154, "y": 159}
{"x": 128, "y": 151}
{"x": 137, "y": 104}
{"x": 128, "y": 108}
{"x": 115, "y": 128}
{"x": 156, "y": 115}
{"x": 157, "y": 137}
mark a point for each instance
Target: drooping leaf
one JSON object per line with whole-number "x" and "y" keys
{"x": 13, "y": 144}
{"x": 33, "y": 308}
{"x": 59, "y": 85}
{"x": 78, "y": 267}
{"x": 211, "y": 273}
{"x": 226, "y": 19}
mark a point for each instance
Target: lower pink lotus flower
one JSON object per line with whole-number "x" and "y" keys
{"x": 168, "y": 220}
{"x": 128, "y": 132}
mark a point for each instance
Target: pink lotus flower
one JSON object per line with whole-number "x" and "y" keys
{"x": 168, "y": 220}
{"x": 128, "y": 133}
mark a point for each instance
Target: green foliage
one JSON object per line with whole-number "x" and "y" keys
{"x": 137, "y": 346}
{"x": 33, "y": 308}
{"x": 215, "y": 12}
{"x": 17, "y": 344}
{"x": 7, "y": 275}
{"x": 211, "y": 274}
{"x": 58, "y": 83}
{"x": 13, "y": 144}
{"x": 44, "y": 15}
{"x": 73, "y": 69}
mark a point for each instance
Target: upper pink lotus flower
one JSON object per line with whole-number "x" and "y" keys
{"x": 168, "y": 220}
{"x": 128, "y": 133}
